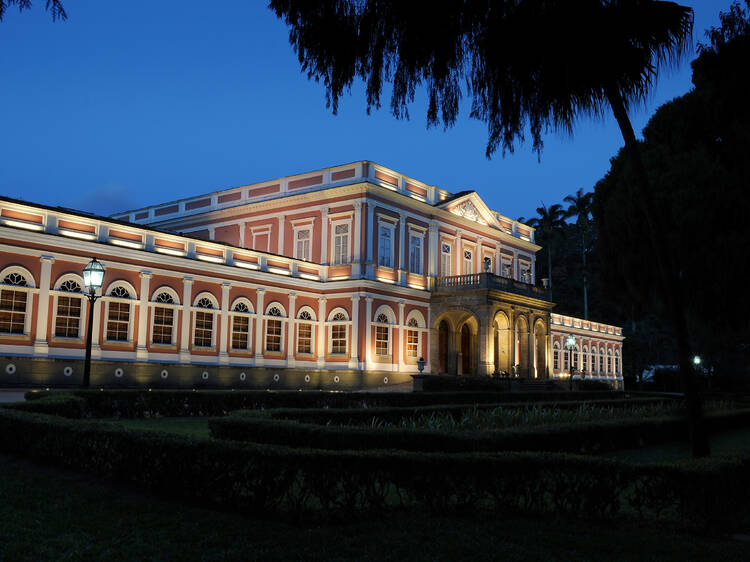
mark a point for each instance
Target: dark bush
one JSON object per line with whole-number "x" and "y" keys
{"x": 267, "y": 480}
{"x": 591, "y": 385}
{"x": 143, "y": 403}
{"x": 55, "y": 404}
{"x": 589, "y": 437}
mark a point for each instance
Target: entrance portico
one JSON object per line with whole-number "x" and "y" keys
{"x": 488, "y": 325}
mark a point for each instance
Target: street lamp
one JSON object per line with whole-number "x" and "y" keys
{"x": 570, "y": 343}
{"x": 697, "y": 360}
{"x": 93, "y": 275}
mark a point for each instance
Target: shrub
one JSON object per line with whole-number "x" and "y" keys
{"x": 266, "y": 480}
{"x": 607, "y": 435}
{"x": 55, "y": 404}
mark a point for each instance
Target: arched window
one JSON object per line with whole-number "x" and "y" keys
{"x": 339, "y": 322}
{"x": 274, "y": 315}
{"x": 412, "y": 338}
{"x": 118, "y": 314}
{"x": 382, "y": 334}
{"x": 204, "y": 323}
{"x": 609, "y": 363}
{"x": 584, "y": 359}
{"x": 13, "y": 303}
{"x": 69, "y": 310}
{"x": 241, "y": 314}
{"x": 305, "y": 331}
{"x": 556, "y": 357}
{"x": 162, "y": 332}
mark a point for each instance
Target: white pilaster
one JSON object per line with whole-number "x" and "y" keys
{"x": 354, "y": 357}
{"x": 141, "y": 351}
{"x": 290, "y": 334}
{"x": 281, "y": 235}
{"x": 258, "y": 351}
{"x": 187, "y": 288}
{"x": 324, "y": 236}
{"x": 41, "y": 347}
{"x": 96, "y": 331}
{"x": 433, "y": 255}
{"x": 224, "y": 323}
{"x": 401, "y": 344}
{"x": 321, "y": 331}
{"x": 368, "y": 328}
{"x": 357, "y": 236}
{"x": 369, "y": 239}
{"x": 403, "y": 263}
{"x": 459, "y": 254}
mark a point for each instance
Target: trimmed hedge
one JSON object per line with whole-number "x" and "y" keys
{"x": 55, "y": 404}
{"x": 268, "y": 480}
{"x": 143, "y": 403}
{"x": 351, "y": 416}
{"x": 589, "y": 437}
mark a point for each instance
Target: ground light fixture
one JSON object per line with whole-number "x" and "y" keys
{"x": 93, "y": 276}
{"x": 570, "y": 343}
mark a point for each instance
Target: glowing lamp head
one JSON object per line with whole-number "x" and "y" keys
{"x": 570, "y": 341}
{"x": 696, "y": 360}
{"x": 93, "y": 275}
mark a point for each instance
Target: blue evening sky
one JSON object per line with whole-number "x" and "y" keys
{"x": 129, "y": 104}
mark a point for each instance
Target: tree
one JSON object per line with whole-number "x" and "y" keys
{"x": 580, "y": 208}
{"x": 54, "y": 7}
{"x": 526, "y": 64}
{"x": 549, "y": 222}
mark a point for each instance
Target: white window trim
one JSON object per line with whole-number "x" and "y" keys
{"x": 313, "y": 327}
{"x": 250, "y": 315}
{"x": 175, "y": 317}
{"x": 256, "y": 231}
{"x": 296, "y": 229}
{"x": 346, "y": 218}
{"x": 284, "y": 320}
{"x": 391, "y": 226}
{"x": 388, "y": 311}
{"x": 473, "y": 249}
{"x": 131, "y": 309}
{"x": 215, "y": 311}
{"x": 329, "y": 331}
{"x": 417, "y": 232}
{"x": 84, "y": 307}
{"x": 420, "y": 328}
{"x": 450, "y": 242}
{"x": 29, "y": 289}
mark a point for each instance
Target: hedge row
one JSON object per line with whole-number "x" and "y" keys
{"x": 55, "y": 404}
{"x": 268, "y": 480}
{"x": 588, "y": 437}
{"x": 351, "y": 416}
{"x": 143, "y": 403}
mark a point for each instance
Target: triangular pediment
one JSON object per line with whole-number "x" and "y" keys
{"x": 470, "y": 206}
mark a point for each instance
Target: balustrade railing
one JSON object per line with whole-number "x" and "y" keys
{"x": 491, "y": 281}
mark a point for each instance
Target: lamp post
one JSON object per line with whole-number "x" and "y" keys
{"x": 570, "y": 343}
{"x": 93, "y": 275}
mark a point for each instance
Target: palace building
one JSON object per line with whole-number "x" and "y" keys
{"x": 339, "y": 278}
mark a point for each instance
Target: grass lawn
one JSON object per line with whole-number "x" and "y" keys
{"x": 50, "y": 514}
{"x": 722, "y": 443}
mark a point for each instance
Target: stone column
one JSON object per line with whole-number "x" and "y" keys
{"x": 187, "y": 287}
{"x": 368, "y": 332}
{"x": 141, "y": 349}
{"x": 290, "y": 330}
{"x": 486, "y": 359}
{"x": 322, "y": 331}
{"x": 41, "y": 347}
{"x": 324, "y": 236}
{"x": 369, "y": 240}
{"x": 224, "y": 323}
{"x": 259, "y": 310}
{"x": 401, "y": 340}
{"x": 357, "y": 239}
{"x": 532, "y": 350}
{"x": 403, "y": 265}
{"x": 512, "y": 360}
{"x": 354, "y": 356}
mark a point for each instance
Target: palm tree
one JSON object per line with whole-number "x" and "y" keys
{"x": 528, "y": 66}
{"x": 549, "y": 222}
{"x": 580, "y": 208}
{"x": 55, "y": 7}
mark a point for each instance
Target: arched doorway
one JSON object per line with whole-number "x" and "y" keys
{"x": 466, "y": 354}
{"x": 443, "y": 343}
{"x": 502, "y": 343}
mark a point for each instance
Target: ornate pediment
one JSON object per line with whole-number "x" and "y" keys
{"x": 469, "y": 211}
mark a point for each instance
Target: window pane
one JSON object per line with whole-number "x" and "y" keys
{"x": 12, "y": 311}
{"x": 240, "y": 332}
{"x": 338, "y": 336}
{"x": 304, "y": 338}
{"x": 381, "y": 340}
{"x": 68, "y": 317}
{"x": 273, "y": 335}
{"x": 384, "y": 253}
{"x": 163, "y": 318}
{"x": 117, "y": 321}
{"x": 203, "y": 329}
{"x": 412, "y": 343}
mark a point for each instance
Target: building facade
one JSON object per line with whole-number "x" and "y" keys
{"x": 338, "y": 278}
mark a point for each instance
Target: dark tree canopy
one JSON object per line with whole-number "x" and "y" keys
{"x": 54, "y": 7}
{"x": 526, "y": 65}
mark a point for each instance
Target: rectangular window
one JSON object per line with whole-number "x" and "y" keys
{"x": 525, "y": 273}
{"x": 117, "y": 321}
{"x": 381, "y": 340}
{"x": 412, "y": 343}
{"x": 240, "y": 332}
{"x": 385, "y": 247}
{"x": 12, "y": 311}
{"x": 341, "y": 244}
{"x": 609, "y": 365}
{"x": 304, "y": 338}
{"x": 163, "y": 318}
{"x": 338, "y": 339}
{"x": 468, "y": 262}
{"x": 415, "y": 254}
{"x": 302, "y": 245}
{"x": 273, "y": 335}
{"x": 507, "y": 270}
{"x": 584, "y": 361}
{"x": 68, "y": 319}
{"x": 566, "y": 355}
{"x": 203, "y": 329}
{"x": 556, "y": 360}
{"x": 445, "y": 260}
{"x": 575, "y": 359}
{"x": 601, "y": 363}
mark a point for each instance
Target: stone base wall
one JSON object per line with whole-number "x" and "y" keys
{"x": 68, "y": 373}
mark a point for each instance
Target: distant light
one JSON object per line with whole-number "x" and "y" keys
{"x": 696, "y": 360}
{"x": 93, "y": 275}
